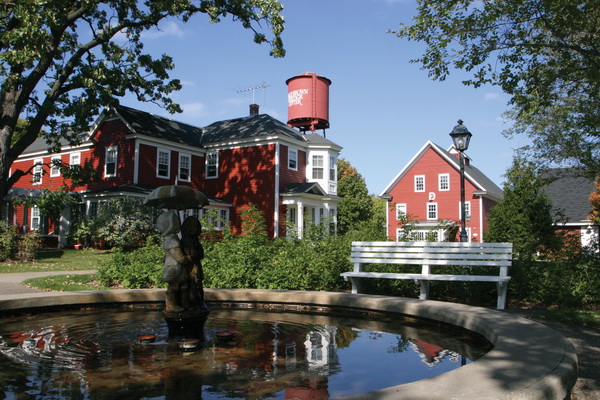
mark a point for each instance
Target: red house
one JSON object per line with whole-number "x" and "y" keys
{"x": 427, "y": 190}
{"x": 257, "y": 159}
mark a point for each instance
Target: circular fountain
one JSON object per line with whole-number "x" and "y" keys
{"x": 528, "y": 361}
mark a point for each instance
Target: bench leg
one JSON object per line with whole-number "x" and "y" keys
{"x": 424, "y": 295}
{"x": 502, "y": 289}
{"x": 356, "y": 288}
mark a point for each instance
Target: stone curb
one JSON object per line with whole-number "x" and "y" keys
{"x": 529, "y": 360}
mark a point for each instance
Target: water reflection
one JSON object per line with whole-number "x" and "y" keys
{"x": 95, "y": 354}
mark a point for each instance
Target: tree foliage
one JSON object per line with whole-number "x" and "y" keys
{"x": 119, "y": 223}
{"x": 544, "y": 54}
{"x": 525, "y": 216}
{"x": 62, "y": 61}
{"x": 595, "y": 199}
{"x": 356, "y": 206}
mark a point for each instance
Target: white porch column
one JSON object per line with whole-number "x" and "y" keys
{"x": 300, "y": 217}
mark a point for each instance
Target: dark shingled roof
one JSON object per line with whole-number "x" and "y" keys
{"x": 487, "y": 184}
{"x": 305, "y": 187}
{"x": 160, "y": 127}
{"x": 253, "y": 126}
{"x": 570, "y": 192}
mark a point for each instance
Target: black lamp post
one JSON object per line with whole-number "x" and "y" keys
{"x": 461, "y": 137}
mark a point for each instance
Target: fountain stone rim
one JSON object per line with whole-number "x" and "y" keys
{"x": 528, "y": 361}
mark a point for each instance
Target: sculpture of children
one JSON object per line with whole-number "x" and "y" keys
{"x": 173, "y": 270}
{"x": 190, "y": 230}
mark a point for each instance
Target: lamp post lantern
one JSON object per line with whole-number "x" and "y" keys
{"x": 461, "y": 137}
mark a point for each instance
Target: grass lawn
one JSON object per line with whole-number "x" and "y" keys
{"x": 66, "y": 283}
{"x": 58, "y": 260}
{"x": 572, "y": 317}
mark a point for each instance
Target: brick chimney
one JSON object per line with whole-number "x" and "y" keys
{"x": 254, "y": 109}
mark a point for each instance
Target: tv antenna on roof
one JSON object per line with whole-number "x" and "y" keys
{"x": 262, "y": 87}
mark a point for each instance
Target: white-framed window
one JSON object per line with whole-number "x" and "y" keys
{"x": 467, "y": 210}
{"x": 212, "y": 164}
{"x": 291, "y": 215}
{"x": 92, "y": 210}
{"x": 35, "y": 218}
{"x": 185, "y": 167}
{"x": 432, "y": 211}
{"x": 38, "y": 171}
{"x": 110, "y": 166}
{"x": 332, "y": 168}
{"x": 317, "y": 167}
{"x": 444, "y": 182}
{"x": 419, "y": 183}
{"x": 401, "y": 210}
{"x": 55, "y": 166}
{"x": 75, "y": 159}
{"x": 292, "y": 159}
{"x": 163, "y": 163}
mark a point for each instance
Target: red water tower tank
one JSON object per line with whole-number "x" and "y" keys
{"x": 308, "y": 101}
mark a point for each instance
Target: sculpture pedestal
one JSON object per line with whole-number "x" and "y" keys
{"x": 187, "y": 324}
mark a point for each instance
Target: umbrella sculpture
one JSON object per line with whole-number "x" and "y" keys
{"x": 176, "y": 197}
{"x": 185, "y": 310}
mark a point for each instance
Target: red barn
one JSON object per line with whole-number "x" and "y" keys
{"x": 427, "y": 190}
{"x": 256, "y": 159}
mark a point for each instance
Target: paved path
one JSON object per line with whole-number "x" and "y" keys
{"x": 585, "y": 340}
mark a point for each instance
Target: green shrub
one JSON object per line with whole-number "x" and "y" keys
{"x": 568, "y": 283}
{"x": 121, "y": 223}
{"x": 8, "y": 241}
{"x": 138, "y": 269}
{"x": 28, "y": 246}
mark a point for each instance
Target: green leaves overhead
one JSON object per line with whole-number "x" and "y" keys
{"x": 62, "y": 61}
{"x": 544, "y": 54}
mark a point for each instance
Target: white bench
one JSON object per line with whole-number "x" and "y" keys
{"x": 432, "y": 254}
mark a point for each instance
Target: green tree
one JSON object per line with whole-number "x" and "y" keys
{"x": 356, "y": 206}
{"x": 51, "y": 203}
{"x": 119, "y": 223}
{"x": 544, "y": 54}
{"x": 525, "y": 216}
{"x": 59, "y": 62}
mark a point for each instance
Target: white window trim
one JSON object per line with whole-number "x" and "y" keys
{"x": 189, "y": 157}
{"x": 54, "y": 171}
{"x": 72, "y": 155}
{"x": 216, "y": 174}
{"x": 315, "y": 167}
{"x": 440, "y": 182}
{"x": 38, "y": 167}
{"x": 109, "y": 149}
{"x": 416, "y": 180}
{"x": 467, "y": 209}
{"x": 35, "y": 215}
{"x": 401, "y": 208}
{"x": 295, "y": 158}
{"x": 158, "y": 153}
{"x": 436, "y": 211}
{"x": 332, "y": 168}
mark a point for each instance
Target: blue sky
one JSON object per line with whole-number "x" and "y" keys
{"x": 383, "y": 109}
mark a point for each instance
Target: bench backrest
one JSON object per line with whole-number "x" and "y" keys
{"x": 433, "y": 253}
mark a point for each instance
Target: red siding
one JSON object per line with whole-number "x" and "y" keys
{"x": 246, "y": 175}
{"x": 431, "y": 165}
